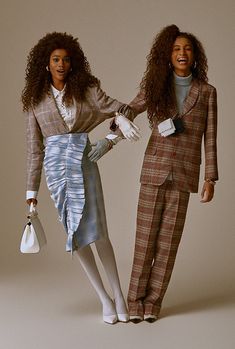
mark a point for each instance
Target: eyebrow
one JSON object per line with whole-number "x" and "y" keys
{"x": 61, "y": 56}
{"x": 182, "y": 45}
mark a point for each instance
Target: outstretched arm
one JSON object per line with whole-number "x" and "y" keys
{"x": 120, "y": 127}
{"x": 101, "y": 147}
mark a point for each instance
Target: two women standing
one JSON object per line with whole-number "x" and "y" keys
{"x": 64, "y": 102}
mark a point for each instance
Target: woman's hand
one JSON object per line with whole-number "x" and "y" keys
{"x": 34, "y": 201}
{"x": 207, "y": 192}
{"x": 100, "y": 148}
{"x": 128, "y": 128}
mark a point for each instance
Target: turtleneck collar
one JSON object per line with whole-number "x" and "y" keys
{"x": 182, "y": 80}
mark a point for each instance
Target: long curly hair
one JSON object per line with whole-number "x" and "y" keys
{"x": 38, "y": 79}
{"x": 157, "y": 81}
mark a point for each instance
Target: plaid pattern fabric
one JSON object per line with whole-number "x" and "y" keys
{"x": 160, "y": 221}
{"x": 162, "y": 204}
{"x": 181, "y": 154}
{"x": 44, "y": 120}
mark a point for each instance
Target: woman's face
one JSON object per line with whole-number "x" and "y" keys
{"x": 59, "y": 66}
{"x": 182, "y": 57}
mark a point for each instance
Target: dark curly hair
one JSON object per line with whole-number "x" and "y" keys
{"x": 157, "y": 82}
{"x": 38, "y": 79}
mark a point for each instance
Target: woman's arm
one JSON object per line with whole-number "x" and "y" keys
{"x": 138, "y": 104}
{"x": 35, "y": 153}
{"x": 108, "y": 107}
{"x": 210, "y": 136}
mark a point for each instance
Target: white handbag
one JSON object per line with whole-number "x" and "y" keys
{"x": 33, "y": 237}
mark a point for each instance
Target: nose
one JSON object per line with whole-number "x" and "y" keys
{"x": 61, "y": 63}
{"x": 182, "y": 51}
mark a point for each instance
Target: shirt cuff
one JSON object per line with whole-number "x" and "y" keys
{"x": 114, "y": 138}
{"x": 30, "y": 194}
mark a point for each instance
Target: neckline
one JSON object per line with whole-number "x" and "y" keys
{"x": 182, "y": 80}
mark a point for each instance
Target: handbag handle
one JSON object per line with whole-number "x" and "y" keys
{"x": 32, "y": 208}
{"x": 32, "y": 211}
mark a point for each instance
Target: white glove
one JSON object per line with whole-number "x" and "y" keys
{"x": 100, "y": 148}
{"x": 128, "y": 128}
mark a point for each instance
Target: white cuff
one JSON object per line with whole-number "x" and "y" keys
{"x": 114, "y": 138}
{"x": 30, "y": 194}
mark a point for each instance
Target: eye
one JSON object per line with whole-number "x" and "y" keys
{"x": 67, "y": 59}
{"x": 56, "y": 60}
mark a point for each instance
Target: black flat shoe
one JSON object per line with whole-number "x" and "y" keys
{"x": 136, "y": 319}
{"x": 150, "y": 318}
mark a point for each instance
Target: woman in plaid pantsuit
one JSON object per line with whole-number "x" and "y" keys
{"x": 174, "y": 86}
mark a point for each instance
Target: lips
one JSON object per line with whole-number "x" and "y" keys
{"x": 182, "y": 60}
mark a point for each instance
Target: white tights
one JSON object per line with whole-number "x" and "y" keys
{"x": 106, "y": 255}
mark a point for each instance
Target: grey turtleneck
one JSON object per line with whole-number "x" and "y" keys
{"x": 182, "y": 87}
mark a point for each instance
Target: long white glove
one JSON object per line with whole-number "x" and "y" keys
{"x": 129, "y": 129}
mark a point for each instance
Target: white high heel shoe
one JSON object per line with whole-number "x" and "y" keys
{"x": 123, "y": 317}
{"x": 110, "y": 319}
{"x": 110, "y": 309}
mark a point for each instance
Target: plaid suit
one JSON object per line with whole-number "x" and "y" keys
{"x": 44, "y": 120}
{"x": 162, "y": 203}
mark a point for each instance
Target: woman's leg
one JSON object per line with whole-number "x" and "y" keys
{"x": 88, "y": 263}
{"x": 151, "y": 199}
{"x": 168, "y": 239}
{"x": 107, "y": 257}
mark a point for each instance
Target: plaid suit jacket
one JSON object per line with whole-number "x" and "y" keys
{"x": 44, "y": 120}
{"x": 181, "y": 154}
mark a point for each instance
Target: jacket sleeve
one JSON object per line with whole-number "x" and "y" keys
{"x": 107, "y": 105}
{"x": 135, "y": 107}
{"x": 138, "y": 104}
{"x": 35, "y": 152}
{"x": 210, "y": 136}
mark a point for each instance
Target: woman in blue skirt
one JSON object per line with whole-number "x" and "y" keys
{"x": 63, "y": 102}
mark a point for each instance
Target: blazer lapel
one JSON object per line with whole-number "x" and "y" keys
{"x": 173, "y": 111}
{"x": 76, "y": 114}
{"x": 52, "y": 108}
{"x": 191, "y": 98}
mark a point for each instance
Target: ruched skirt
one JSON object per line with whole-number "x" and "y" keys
{"x": 75, "y": 187}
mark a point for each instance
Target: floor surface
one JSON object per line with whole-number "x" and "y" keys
{"x": 47, "y": 306}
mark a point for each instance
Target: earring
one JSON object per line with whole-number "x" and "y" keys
{"x": 170, "y": 66}
{"x": 195, "y": 65}
{"x": 47, "y": 68}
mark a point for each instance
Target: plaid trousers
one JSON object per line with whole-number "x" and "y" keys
{"x": 160, "y": 222}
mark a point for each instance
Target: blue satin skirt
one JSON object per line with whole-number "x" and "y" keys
{"x": 75, "y": 187}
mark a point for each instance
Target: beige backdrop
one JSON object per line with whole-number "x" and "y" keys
{"x": 48, "y": 293}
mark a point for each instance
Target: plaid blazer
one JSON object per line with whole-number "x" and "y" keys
{"x": 45, "y": 120}
{"x": 181, "y": 154}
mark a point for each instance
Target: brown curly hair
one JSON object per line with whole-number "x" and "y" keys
{"x": 38, "y": 79}
{"x": 157, "y": 82}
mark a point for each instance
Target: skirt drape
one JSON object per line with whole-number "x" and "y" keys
{"x": 75, "y": 187}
